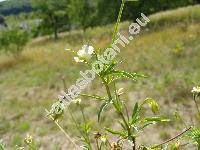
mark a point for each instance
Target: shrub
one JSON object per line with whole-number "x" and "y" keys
{"x": 13, "y": 40}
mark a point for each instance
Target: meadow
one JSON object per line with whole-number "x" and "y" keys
{"x": 167, "y": 51}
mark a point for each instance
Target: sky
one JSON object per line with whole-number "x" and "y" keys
{"x": 2, "y": 0}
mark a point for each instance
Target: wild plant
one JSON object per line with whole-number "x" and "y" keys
{"x": 194, "y": 134}
{"x": 132, "y": 124}
{"x": 2, "y": 145}
{"x": 192, "y": 137}
{"x": 13, "y": 41}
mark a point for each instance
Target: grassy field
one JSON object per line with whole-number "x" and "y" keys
{"x": 168, "y": 51}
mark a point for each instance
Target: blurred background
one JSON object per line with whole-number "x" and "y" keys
{"x": 34, "y": 66}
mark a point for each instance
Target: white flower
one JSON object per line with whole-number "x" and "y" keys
{"x": 84, "y": 54}
{"x": 120, "y": 91}
{"x": 196, "y": 90}
{"x": 103, "y": 138}
{"x": 57, "y": 108}
{"x": 132, "y": 144}
{"x": 77, "y": 59}
{"x": 29, "y": 139}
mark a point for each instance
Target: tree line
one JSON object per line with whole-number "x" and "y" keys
{"x": 57, "y": 16}
{"x": 88, "y": 13}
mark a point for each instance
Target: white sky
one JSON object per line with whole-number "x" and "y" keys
{"x": 2, "y": 0}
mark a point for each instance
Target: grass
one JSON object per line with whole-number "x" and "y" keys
{"x": 168, "y": 51}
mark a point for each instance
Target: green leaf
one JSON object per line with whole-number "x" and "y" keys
{"x": 153, "y": 105}
{"x": 101, "y": 109}
{"x": 177, "y": 115}
{"x": 154, "y": 119}
{"x": 109, "y": 69}
{"x": 175, "y": 146}
{"x": 100, "y": 98}
{"x": 134, "y": 113}
{"x": 88, "y": 127}
{"x": 1, "y": 146}
{"x": 124, "y": 74}
{"x": 116, "y": 132}
{"x": 146, "y": 125}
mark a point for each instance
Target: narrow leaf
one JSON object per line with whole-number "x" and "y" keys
{"x": 101, "y": 110}
{"x": 155, "y": 119}
{"x": 134, "y": 113}
{"x": 153, "y": 105}
{"x": 115, "y": 132}
{"x": 124, "y": 74}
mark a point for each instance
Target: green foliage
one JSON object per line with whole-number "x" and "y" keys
{"x": 109, "y": 14}
{"x": 53, "y": 14}
{"x": 2, "y": 20}
{"x": 152, "y": 6}
{"x": 70, "y": 14}
{"x": 13, "y": 40}
{"x": 84, "y": 128}
{"x": 194, "y": 135}
{"x": 9, "y": 7}
{"x": 82, "y": 13}
{"x": 184, "y": 16}
{"x": 24, "y": 127}
{"x": 130, "y": 127}
{"x": 101, "y": 109}
{"x": 152, "y": 104}
{"x": 175, "y": 146}
{"x": 134, "y": 7}
{"x": 2, "y": 146}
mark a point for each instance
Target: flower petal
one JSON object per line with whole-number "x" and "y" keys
{"x": 78, "y": 60}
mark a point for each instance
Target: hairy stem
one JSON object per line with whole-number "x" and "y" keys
{"x": 97, "y": 144}
{"x": 105, "y": 83}
{"x": 128, "y": 130}
{"x": 118, "y": 20}
{"x": 65, "y": 133}
{"x": 173, "y": 138}
{"x": 107, "y": 89}
{"x": 119, "y": 112}
{"x": 86, "y": 133}
{"x": 197, "y": 107}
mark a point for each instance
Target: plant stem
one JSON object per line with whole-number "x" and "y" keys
{"x": 129, "y": 130}
{"x": 196, "y": 105}
{"x": 82, "y": 112}
{"x": 105, "y": 83}
{"x": 84, "y": 134}
{"x": 107, "y": 89}
{"x": 31, "y": 147}
{"x": 118, "y": 20}
{"x": 134, "y": 142}
{"x": 126, "y": 109}
{"x": 124, "y": 120}
{"x": 173, "y": 138}
{"x": 119, "y": 112}
{"x": 65, "y": 133}
{"x": 85, "y": 123}
{"x": 97, "y": 144}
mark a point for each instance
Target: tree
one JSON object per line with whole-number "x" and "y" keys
{"x": 13, "y": 40}
{"x": 82, "y": 13}
{"x": 53, "y": 14}
{"x": 107, "y": 11}
{"x": 3, "y": 21}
